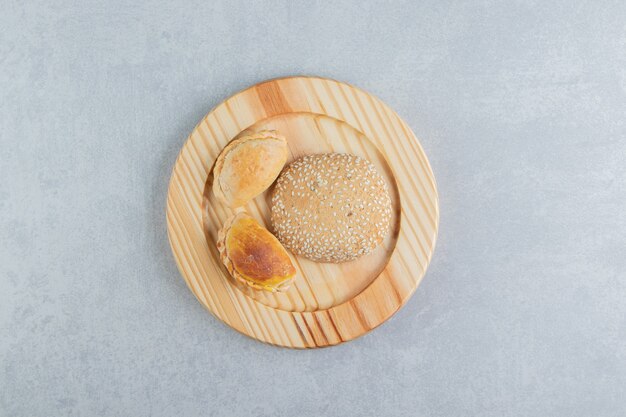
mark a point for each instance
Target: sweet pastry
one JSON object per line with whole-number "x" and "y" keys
{"x": 247, "y": 166}
{"x": 330, "y": 207}
{"x": 253, "y": 255}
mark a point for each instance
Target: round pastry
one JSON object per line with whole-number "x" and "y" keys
{"x": 247, "y": 166}
{"x": 330, "y": 207}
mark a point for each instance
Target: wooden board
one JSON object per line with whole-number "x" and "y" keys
{"x": 328, "y": 303}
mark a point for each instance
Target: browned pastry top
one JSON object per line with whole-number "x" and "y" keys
{"x": 253, "y": 255}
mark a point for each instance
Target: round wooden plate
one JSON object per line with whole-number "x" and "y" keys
{"x": 328, "y": 303}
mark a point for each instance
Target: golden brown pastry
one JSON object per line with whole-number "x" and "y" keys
{"x": 247, "y": 166}
{"x": 253, "y": 255}
{"x": 331, "y": 207}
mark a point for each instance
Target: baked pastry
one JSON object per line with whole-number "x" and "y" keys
{"x": 253, "y": 255}
{"x": 330, "y": 207}
{"x": 247, "y": 166}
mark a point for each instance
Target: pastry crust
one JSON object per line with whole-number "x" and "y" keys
{"x": 253, "y": 255}
{"x": 247, "y": 166}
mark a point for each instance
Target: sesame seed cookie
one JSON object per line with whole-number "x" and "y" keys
{"x": 331, "y": 207}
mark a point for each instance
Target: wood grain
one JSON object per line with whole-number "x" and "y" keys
{"x": 328, "y": 303}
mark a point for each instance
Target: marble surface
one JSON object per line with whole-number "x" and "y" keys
{"x": 520, "y": 105}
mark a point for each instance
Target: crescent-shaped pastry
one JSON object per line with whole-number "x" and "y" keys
{"x": 247, "y": 166}
{"x": 253, "y": 255}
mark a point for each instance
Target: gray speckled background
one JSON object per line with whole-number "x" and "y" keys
{"x": 520, "y": 105}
